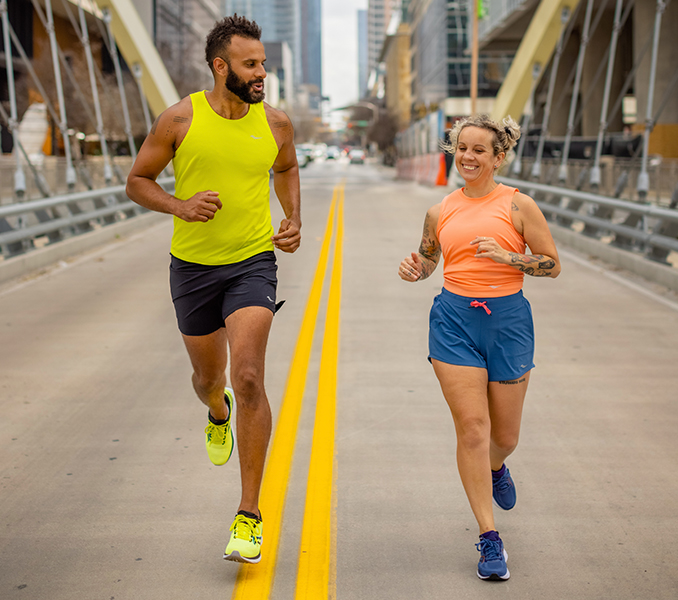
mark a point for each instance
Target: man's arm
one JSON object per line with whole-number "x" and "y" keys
{"x": 286, "y": 181}
{"x": 154, "y": 155}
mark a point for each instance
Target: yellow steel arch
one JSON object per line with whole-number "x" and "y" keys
{"x": 537, "y": 47}
{"x": 137, "y": 47}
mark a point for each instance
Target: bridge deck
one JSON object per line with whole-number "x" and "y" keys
{"x": 106, "y": 491}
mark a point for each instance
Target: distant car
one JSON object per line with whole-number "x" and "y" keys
{"x": 302, "y": 158}
{"x": 333, "y": 152}
{"x": 307, "y": 149}
{"x": 357, "y": 156}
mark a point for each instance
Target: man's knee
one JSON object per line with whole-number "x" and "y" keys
{"x": 208, "y": 381}
{"x": 248, "y": 384}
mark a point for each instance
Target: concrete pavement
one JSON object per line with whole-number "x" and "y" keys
{"x": 106, "y": 491}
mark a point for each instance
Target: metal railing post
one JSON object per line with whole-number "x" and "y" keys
{"x": 113, "y": 49}
{"x": 63, "y": 124}
{"x": 517, "y": 167}
{"x": 562, "y": 173}
{"x": 19, "y": 176}
{"x": 108, "y": 171}
{"x": 536, "y": 166}
{"x": 595, "y": 170}
{"x": 643, "y": 186}
{"x": 138, "y": 72}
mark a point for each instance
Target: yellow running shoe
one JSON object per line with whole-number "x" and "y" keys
{"x": 219, "y": 438}
{"x": 246, "y": 537}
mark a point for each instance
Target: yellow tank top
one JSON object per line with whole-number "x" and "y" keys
{"x": 461, "y": 220}
{"x": 232, "y": 157}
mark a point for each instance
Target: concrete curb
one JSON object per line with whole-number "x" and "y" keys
{"x": 635, "y": 263}
{"x": 24, "y": 264}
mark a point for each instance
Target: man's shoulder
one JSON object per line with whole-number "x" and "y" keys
{"x": 183, "y": 108}
{"x": 275, "y": 115}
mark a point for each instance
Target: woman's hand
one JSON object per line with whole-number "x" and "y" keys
{"x": 410, "y": 268}
{"x": 487, "y": 247}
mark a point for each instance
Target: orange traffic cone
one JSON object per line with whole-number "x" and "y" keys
{"x": 441, "y": 179}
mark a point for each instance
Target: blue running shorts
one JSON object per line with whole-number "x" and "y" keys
{"x": 205, "y": 295}
{"x": 496, "y": 334}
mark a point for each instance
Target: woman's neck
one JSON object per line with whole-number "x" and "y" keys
{"x": 474, "y": 190}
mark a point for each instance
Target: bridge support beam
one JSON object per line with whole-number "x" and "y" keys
{"x": 137, "y": 47}
{"x": 536, "y": 48}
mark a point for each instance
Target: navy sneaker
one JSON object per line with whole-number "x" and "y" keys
{"x": 504, "y": 490}
{"x": 493, "y": 557}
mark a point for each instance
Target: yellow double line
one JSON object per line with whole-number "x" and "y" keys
{"x": 315, "y": 575}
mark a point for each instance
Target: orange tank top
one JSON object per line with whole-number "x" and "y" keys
{"x": 461, "y": 220}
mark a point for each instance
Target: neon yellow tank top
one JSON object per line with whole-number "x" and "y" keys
{"x": 231, "y": 157}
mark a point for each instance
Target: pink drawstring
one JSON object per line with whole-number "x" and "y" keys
{"x": 476, "y": 304}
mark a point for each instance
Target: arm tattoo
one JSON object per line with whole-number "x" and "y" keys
{"x": 180, "y": 120}
{"x": 514, "y": 206}
{"x": 429, "y": 250}
{"x": 280, "y": 124}
{"x": 537, "y": 265}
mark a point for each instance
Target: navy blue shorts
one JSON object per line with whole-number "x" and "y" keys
{"x": 205, "y": 295}
{"x": 496, "y": 334}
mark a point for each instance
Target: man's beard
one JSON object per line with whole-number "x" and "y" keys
{"x": 242, "y": 89}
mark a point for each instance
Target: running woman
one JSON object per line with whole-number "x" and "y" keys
{"x": 222, "y": 143}
{"x": 481, "y": 336}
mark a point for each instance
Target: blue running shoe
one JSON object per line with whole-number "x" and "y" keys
{"x": 504, "y": 491}
{"x": 493, "y": 557}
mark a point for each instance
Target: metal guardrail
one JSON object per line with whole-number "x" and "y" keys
{"x": 17, "y": 240}
{"x": 653, "y": 222}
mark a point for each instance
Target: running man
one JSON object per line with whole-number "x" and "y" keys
{"x": 222, "y": 143}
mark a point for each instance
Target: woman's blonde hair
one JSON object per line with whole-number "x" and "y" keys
{"x": 506, "y": 133}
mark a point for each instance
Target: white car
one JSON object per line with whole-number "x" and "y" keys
{"x": 357, "y": 156}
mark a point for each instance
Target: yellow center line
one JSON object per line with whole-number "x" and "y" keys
{"x": 316, "y": 548}
{"x": 254, "y": 582}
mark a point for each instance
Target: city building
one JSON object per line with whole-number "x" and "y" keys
{"x": 379, "y": 14}
{"x": 279, "y": 64}
{"x": 362, "y": 53}
{"x": 179, "y": 28}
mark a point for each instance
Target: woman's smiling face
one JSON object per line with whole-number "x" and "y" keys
{"x": 475, "y": 159}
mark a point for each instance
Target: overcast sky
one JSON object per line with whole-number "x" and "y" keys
{"x": 340, "y": 50}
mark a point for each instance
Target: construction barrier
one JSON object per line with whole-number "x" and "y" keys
{"x": 426, "y": 169}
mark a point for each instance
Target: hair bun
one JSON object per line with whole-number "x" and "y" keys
{"x": 508, "y": 132}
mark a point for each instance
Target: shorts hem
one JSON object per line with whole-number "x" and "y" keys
{"x": 525, "y": 372}
{"x": 248, "y": 305}
{"x": 456, "y": 364}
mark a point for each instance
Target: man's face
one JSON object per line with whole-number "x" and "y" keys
{"x": 246, "y": 73}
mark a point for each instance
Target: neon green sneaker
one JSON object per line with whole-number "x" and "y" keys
{"x": 219, "y": 438}
{"x": 246, "y": 537}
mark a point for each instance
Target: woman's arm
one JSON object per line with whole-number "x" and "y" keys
{"x": 421, "y": 264}
{"x": 531, "y": 223}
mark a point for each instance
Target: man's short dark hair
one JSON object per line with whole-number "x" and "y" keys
{"x": 219, "y": 38}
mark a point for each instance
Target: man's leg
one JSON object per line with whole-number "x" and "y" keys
{"x": 247, "y": 330}
{"x": 209, "y": 354}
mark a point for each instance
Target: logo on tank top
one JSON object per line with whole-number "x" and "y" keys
{"x": 255, "y": 138}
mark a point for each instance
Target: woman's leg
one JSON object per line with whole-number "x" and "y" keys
{"x": 465, "y": 390}
{"x": 506, "y": 410}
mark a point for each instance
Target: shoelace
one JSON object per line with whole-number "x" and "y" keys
{"x": 216, "y": 433}
{"x": 503, "y": 484}
{"x": 476, "y": 304}
{"x": 243, "y": 529}
{"x": 490, "y": 550}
